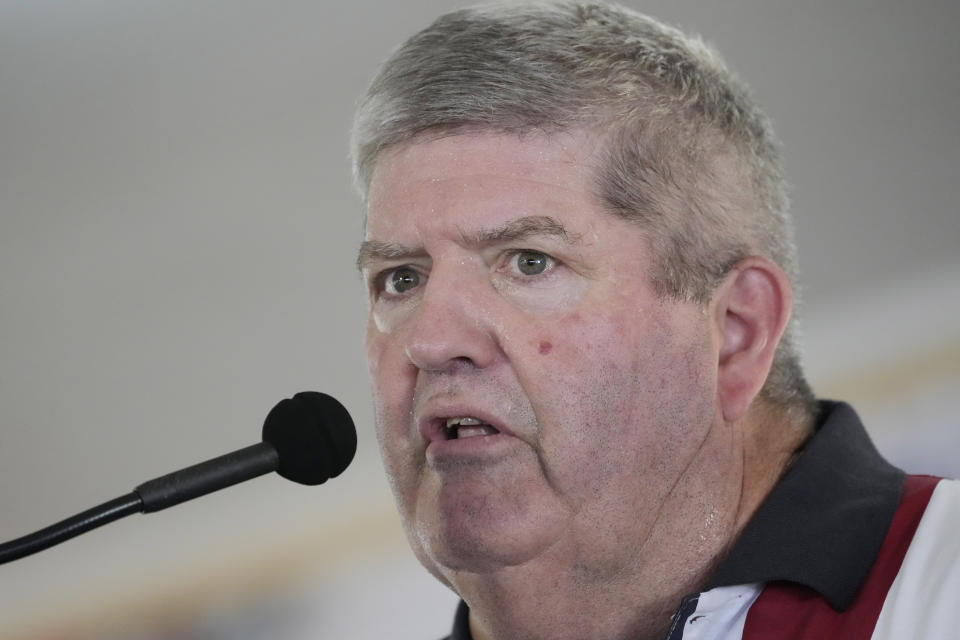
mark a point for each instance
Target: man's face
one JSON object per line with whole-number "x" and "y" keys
{"x": 534, "y": 397}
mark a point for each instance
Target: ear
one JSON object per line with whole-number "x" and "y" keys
{"x": 751, "y": 309}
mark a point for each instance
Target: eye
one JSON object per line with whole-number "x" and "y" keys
{"x": 400, "y": 280}
{"x": 532, "y": 263}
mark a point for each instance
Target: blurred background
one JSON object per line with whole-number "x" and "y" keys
{"x": 177, "y": 236}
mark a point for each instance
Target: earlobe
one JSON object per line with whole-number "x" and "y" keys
{"x": 751, "y": 309}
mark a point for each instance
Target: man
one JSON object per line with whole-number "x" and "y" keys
{"x": 588, "y": 402}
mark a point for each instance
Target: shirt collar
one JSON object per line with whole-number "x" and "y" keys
{"x": 823, "y": 524}
{"x": 461, "y": 623}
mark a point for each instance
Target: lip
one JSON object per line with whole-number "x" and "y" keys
{"x": 432, "y": 420}
{"x": 479, "y": 450}
{"x": 432, "y": 427}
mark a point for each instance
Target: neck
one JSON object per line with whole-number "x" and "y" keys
{"x": 568, "y": 606}
{"x": 774, "y": 438}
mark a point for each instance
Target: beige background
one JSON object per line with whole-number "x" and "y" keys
{"x": 177, "y": 234}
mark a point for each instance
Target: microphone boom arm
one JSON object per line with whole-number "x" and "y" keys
{"x": 311, "y": 431}
{"x": 71, "y": 527}
{"x": 153, "y": 495}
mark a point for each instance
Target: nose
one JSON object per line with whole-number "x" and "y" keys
{"x": 453, "y": 324}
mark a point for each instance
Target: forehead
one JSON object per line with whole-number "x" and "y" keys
{"x": 481, "y": 176}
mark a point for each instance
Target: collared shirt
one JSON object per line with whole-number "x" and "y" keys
{"x": 822, "y": 551}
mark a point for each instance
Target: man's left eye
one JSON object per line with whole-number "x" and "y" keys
{"x": 532, "y": 263}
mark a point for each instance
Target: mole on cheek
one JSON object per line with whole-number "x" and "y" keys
{"x": 545, "y": 348}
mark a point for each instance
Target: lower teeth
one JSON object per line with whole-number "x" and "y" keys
{"x": 473, "y": 431}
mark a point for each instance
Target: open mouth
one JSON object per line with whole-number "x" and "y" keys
{"x": 467, "y": 427}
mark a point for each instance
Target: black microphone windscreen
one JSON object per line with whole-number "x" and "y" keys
{"x": 314, "y": 437}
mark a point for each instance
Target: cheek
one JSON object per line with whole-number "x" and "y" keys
{"x": 388, "y": 316}
{"x": 616, "y": 396}
{"x": 380, "y": 384}
{"x": 387, "y": 364}
{"x": 392, "y": 392}
{"x": 403, "y": 461}
{"x": 579, "y": 373}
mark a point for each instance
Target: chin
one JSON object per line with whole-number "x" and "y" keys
{"x": 473, "y": 555}
{"x": 481, "y": 541}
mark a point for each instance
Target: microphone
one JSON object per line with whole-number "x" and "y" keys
{"x": 308, "y": 438}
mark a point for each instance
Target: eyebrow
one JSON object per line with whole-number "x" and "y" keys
{"x": 511, "y": 231}
{"x": 521, "y": 228}
{"x": 372, "y": 250}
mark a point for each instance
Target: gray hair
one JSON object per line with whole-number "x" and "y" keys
{"x": 688, "y": 155}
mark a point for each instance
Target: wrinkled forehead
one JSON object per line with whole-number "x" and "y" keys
{"x": 481, "y": 174}
{"x": 440, "y": 154}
